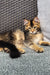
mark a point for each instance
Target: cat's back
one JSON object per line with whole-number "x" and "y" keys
{"x": 4, "y": 36}
{"x": 18, "y": 34}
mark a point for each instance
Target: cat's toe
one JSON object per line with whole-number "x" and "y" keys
{"x": 1, "y": 49}
{"x": 23, "y": 51}
{"x": 40, "y": 50}
{"x": 6, "y": 50}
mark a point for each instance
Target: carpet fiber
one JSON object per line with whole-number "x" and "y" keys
{"x": 30, "y": 63}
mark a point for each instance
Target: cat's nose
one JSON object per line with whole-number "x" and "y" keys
{"x": 32, "y": 30}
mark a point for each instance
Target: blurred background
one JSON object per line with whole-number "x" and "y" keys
{"x": 44, "y": 16}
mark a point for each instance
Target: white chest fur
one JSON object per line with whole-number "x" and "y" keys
{"x": 37, "y": 38}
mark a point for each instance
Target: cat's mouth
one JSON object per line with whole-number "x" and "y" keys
{"x": 35, "y": 32}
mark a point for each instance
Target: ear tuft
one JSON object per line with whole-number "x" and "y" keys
{"x": 25, "y": 21}
{"x": 36, "y": 19}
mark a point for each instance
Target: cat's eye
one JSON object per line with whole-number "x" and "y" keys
{"x": 34, "y": 27}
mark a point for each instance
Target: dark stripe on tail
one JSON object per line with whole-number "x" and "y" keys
{"x": 14, "y": 52}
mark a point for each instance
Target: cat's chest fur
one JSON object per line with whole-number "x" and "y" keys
{"x": 37, "y": 37}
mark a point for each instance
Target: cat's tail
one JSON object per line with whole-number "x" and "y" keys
{"x": 14, "y": 52}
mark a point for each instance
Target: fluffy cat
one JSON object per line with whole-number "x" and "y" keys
{"x": 14, "y": 42}
{"x": 33, "y": 35}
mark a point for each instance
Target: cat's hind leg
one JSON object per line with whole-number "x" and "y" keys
{"x": 6, "y": 50}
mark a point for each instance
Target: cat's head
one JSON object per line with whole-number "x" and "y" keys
{"x": 33, "y": 26}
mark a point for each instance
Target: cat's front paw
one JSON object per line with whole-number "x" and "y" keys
{"x": 22, "y": 51}
{"x": 40, "y": 50}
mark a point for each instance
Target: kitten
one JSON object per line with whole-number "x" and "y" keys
{"x": 33, "y": 35}
{"x": 12, "y": 40}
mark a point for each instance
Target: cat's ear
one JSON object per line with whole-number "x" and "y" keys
{"x": 36, "y": 19}
{"x": 25, "y": 21}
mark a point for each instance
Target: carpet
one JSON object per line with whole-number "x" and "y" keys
{"x": 30, "y": 63}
